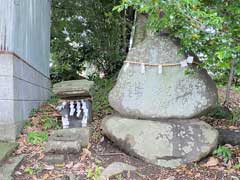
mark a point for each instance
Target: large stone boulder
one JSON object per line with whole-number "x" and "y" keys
{"x": 172, "y": 94}
{"x": 75, "y": 88}
{"x": 167, "y": 144}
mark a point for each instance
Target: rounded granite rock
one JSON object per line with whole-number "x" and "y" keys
{"x": 167, "y": 144}
{"x": 172, "y": 94}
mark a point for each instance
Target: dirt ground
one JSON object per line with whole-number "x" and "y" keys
{"x": 101, "y": 152}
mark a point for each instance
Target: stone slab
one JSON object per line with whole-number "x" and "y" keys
{"x": 72, "y": 134}
{"x": 6, "y": 149}
{"x": 80, "y": 88}
{"x": 54, "y": 159}
{"x": 115, "y": 169}
{"x": 7, "y": 169}
{"x": 70, "y": 140}
{"x": 64, "y": 147}
{"x": 167, "y": 144}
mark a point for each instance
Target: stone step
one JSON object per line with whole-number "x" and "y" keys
{"x": 6, "y": 149}
{"x": 9, "y": 166}
{"x": 68, "y": 140}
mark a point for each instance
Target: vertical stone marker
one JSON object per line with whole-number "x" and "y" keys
{"x": 159, "y": 109}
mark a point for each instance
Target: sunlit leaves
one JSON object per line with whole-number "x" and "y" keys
{"x": 204, "y": 27}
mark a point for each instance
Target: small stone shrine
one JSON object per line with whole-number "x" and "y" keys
{"x": 75, "y": 102}
{"x": 76, "y": 110}
{"x": 158, "y": 105}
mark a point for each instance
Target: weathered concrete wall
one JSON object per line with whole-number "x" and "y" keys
{"x": 24, "y": 61}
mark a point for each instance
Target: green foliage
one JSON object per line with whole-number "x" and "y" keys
{"x": 236, "y": 114}
{"x": 95, "y": 173}
{"x": 27, "y": 124}
{"x": 86, "y": 31}
{"x": 100, "y": 94}
{"x": 237, "y": 166}
{"x": 118, "y": 177}
{"x": 35, "y": 111}
{"x": 221, "y": 112}
{"x": 223, "y": 152}
{"x": 31, "y": 170}
{"x": 209, "y": 29}
{"x": 189, "y": 71}
{"x": 37, "y": 137}
{"x": 49, "y": 123}
{"x": 53, "y": 100}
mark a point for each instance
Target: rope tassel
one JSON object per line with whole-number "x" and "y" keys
{"x": 160, "y": 69}
{"x": 142, "y": 68}
{"x": 190, "y": 59}
{"x": 126, "y": 67}
{"x": 184, "y": 63}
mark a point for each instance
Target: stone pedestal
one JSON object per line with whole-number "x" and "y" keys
{"x": 68, "y": 140}
{"x": 164, "y": 143}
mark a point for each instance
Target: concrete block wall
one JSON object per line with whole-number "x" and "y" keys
{"x": 24, "y": 62}
{"x": 22, "y": 88}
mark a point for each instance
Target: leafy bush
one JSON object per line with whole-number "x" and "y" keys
{"x": 100, "y": 94}
{"x": 95, "y": 173}
{"x": 37, "y": 137}
{"x": 236, "y": 114}
{"x": 49, "y": 123}
{"x": 237, "y": 166}
{"x": 75, "y": 38}
{"x": 27, "y": 124}
{"x": 35, "y": 111}
{"x": 31, "y": 170}
{"x": 221, "y": 112}
{"x": 53, "y": 100}
{"x": 223, "y": 152}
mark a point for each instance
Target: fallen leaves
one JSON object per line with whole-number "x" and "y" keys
{"x": 102, "y": 150}
{"x": 212, "y": 161}
{"x": 85, "y": 154}
{"x": 47, "y": 176}
{"x": 69, "y": 165}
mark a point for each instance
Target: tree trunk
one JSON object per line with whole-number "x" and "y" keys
{"x": 125, "y": 31}
{"x": 139, "y": 31}
{"x": 228, "y": 88}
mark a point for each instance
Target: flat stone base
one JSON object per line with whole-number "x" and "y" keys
{"x": 165, "y": 143}
{"x": 6, "y": 150}
{"x": 9, "y": 132}
{"x": 7, "y": 169}
{"x": 54, "y": 159}
{"x": 68, "y": 140}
